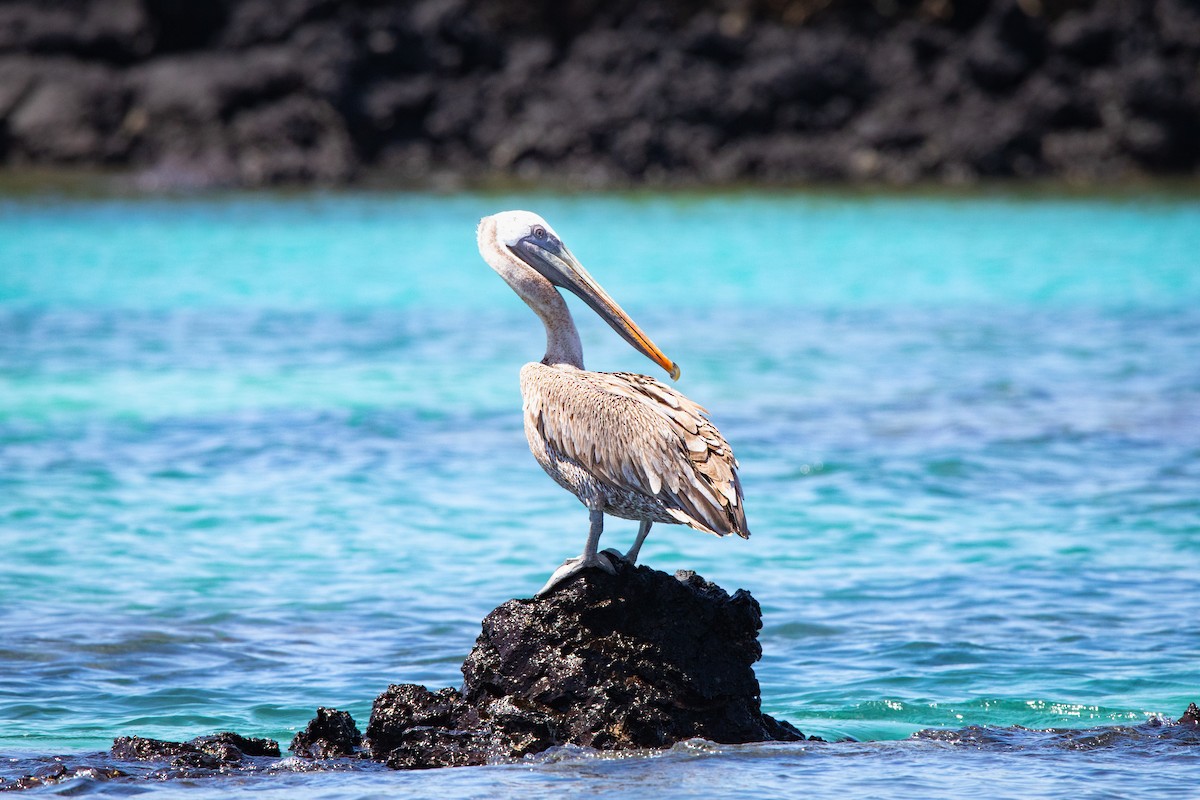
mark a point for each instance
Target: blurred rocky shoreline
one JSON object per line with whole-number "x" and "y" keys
{"x": 448, "y": 93}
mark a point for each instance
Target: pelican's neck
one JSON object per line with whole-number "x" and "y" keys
{"x": 563, "y": 347}
{"x": 562, "y": 339}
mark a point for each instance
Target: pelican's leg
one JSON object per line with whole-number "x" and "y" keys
{"x": 632, "y": 554}
{"x": 643, "y": 532}
{"x": 590, "y": 557}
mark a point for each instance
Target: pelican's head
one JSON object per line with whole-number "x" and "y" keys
{"x": 533, "y": 244}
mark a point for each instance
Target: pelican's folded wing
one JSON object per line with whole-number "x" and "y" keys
{"x": 632, "y": 432}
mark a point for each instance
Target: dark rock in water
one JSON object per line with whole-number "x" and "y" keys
{"x": 250, "y": 746}
{"x": 40, "y": 777}
{"x": 204, "y": 756}
{"x": 204, "y": 751}
{"x": 138, "y": 748}
{"x": 330, "y": 734}
{"x": 636, "y": 660}
{"x": 426, "y": 748}
{"x": 1183, "y": 732}
{"x": 59, "y": 772}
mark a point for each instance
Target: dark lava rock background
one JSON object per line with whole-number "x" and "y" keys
{"x": 600, "y": 92}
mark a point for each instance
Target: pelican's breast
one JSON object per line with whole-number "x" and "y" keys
{"x": 632, "y": 446}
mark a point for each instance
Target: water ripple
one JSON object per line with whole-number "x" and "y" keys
{"x": 232, "y": 491}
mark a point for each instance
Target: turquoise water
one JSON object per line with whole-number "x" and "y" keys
{"x": 263, "y": 453}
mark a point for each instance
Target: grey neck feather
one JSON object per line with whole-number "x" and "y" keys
{"x": 562, "y": 339}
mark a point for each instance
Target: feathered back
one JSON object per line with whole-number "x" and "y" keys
{"x": 632, "y": 432}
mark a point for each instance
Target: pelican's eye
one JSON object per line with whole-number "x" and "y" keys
{"x": 539, "y": 232}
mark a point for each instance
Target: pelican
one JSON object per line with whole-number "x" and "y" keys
{"x": 626, "y": 445}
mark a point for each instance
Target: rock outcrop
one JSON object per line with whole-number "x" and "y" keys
{"x": 204, "y": 751}
{"x": 635, "y": 660}
{"x": 330, "y": 734}
{"x": 442, "y": 92}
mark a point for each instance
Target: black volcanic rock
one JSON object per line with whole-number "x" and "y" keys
{"x": 330, "y": 734}
{"x": 257, "y": 92}
{"x": 435, "y": 745}
{"x": 1156, "y": 732}
{"x": 209, "y": 752}
{"x": 636, "y": 660}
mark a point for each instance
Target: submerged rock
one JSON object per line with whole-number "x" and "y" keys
{"x": 635, "y": 660}
{"x": 158, "y": 760}
{"x": 1156, "y": 731}
{"x": 58, "y": 772}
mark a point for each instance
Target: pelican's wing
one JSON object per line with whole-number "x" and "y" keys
{"x": 633, "y": 432}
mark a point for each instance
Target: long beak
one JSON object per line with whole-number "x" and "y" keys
{"x": 561, "y": 268}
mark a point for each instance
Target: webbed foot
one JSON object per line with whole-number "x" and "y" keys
{"x": 573, "y": 566}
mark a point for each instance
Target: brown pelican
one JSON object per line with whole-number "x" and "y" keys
{"x": 624, "y": 444}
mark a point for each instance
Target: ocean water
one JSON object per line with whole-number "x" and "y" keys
{"x": 260, "y": 453}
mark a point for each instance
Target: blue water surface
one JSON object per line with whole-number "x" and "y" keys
{"x": 262, "y": 453}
